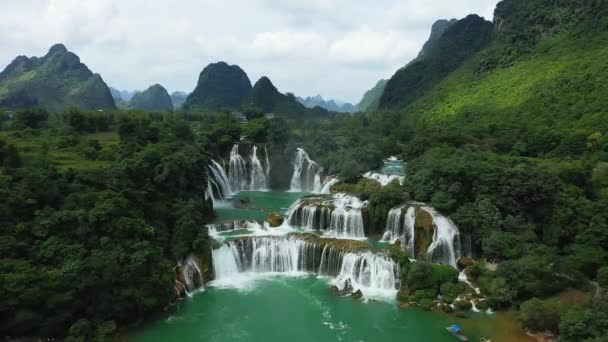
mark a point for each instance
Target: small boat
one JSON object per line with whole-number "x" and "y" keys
{"x": 456, "y": 331}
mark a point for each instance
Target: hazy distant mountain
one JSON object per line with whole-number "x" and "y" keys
{"x": 122, "y": 94}
{"x": 219, "y": 86}
{"x": 331, "y": 105}
{"x": 264, "y": 96}
{"x": 178, "y": 98}
{"x": 56, "y": 82}
{"x": 155, "y": 98}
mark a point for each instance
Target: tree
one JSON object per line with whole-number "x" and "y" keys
{"x": 539, "y": 316}
{"x": 32, "y": 118}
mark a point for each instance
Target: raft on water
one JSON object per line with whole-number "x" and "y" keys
{"x": 456, "y": 330}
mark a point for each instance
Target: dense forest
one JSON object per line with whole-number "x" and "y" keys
{"x": 508, "y": 137}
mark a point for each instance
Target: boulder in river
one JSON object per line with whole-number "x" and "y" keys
{"x": 275, "y": 220}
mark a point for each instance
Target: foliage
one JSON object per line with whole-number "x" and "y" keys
{"x": 32, "y": 118}
{"x": 540, "y": 315}
{"x": 87, "y": 251}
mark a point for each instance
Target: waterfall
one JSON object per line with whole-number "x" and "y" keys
{"x": 258, "y": 173}
{"x": 400, "y": 227}
{"x": 225, "y": 262}
{"x": 237, "y": 170}
{"x": 218, "y": 182}
{"x": 384, "y": 179}
{"x": 393, "y": 169}
{"x": 347, "y": 219}
{"x": 393, "y": 228}
{"x": 222, "y": 185}
{"x": 445, "y": 247}
{"x": 267, "y": 170}
{"x": 241, "y": 259}
{"x": 306, "y": 173}
{"x": 193, "y": 277}
{"x": 370, "y": 273}
{"x": 339, "y": 215}
{"x": 327, "y": 184}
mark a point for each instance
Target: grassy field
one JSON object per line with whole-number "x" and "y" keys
{"x": 43, "y": 147}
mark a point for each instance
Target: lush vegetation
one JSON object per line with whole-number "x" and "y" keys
{"x": 503, "y": 128}
{"x": 509, "y": 141}
{"x": 90, "y": 245}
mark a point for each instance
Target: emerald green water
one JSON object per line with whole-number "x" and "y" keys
{"x": 290, "y": 309}
{"x": 260, "y": 205}
{"x": 281, "y": 308}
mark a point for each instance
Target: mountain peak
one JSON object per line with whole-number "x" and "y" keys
{"x": 56, "y": 49}
{"x": 56, "y": 81}
{"x": 219, "y": 86}
{"x": 155, "y": 98}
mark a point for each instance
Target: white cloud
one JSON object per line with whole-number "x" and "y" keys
{"x": 338, "y": 48}
{"x": 373, "y": 47}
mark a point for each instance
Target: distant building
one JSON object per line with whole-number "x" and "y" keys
{"x": 270, "y": 116}
{"x": 9, "y": 114}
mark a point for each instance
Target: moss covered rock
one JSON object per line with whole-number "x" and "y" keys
{"x": 424, "y": 230}
{"x": 275, "y": 220}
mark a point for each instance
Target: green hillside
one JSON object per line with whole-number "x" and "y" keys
{"x": 56, "y": 82}
{"x": 459, "y": 42}
{"x": 219, "y": 86}
{"x": 265, "y": 97}
{"x": 554, "y": 88}
{"x": 155, "y": 98}
{"x": 371, "y": 98}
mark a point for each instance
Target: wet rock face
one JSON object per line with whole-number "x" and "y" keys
{"x": 424, "y": 230}
{"x": 357, "y": 295}
{"x": 344, "y": 291}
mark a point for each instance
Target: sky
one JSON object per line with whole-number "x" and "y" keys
{"x": 336, "y": 48}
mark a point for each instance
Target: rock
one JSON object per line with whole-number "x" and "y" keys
{"x": 242, "y": 203}
{"x": 357, "y": 295}
{"x": 465, "y": 262}
{"x": 446, "y": 308}
{"x": 275, "y": 220}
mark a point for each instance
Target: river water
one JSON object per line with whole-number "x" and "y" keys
{"x": 269, "y": 308}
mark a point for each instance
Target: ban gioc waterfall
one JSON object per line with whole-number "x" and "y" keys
{"x": 323, "y": 242}
{"x": 304, "y": 171}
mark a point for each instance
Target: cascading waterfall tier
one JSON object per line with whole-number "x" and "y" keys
{"x": 189, "y": 275}
{"x": 445, "y": 247}
{"x": 237, "y": 170}
{"x": 241, "y": 176}
{"x": 392, "y": 170}
{"x": 218, "y": 186}
{"x": 327, "y": 184}
{"x": 258, "y": 174}
{"x": 365, "y": 271}
{"x": 339, "y": 215}
{"x": 306, "y": 174}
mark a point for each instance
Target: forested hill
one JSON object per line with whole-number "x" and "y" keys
{"x": 545, "y": 66}
{"x": 155, "y": 98}
{"x": 458, "y": 43}
{"x": 219, "y": 86}
{"x": 56, "y": 82}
